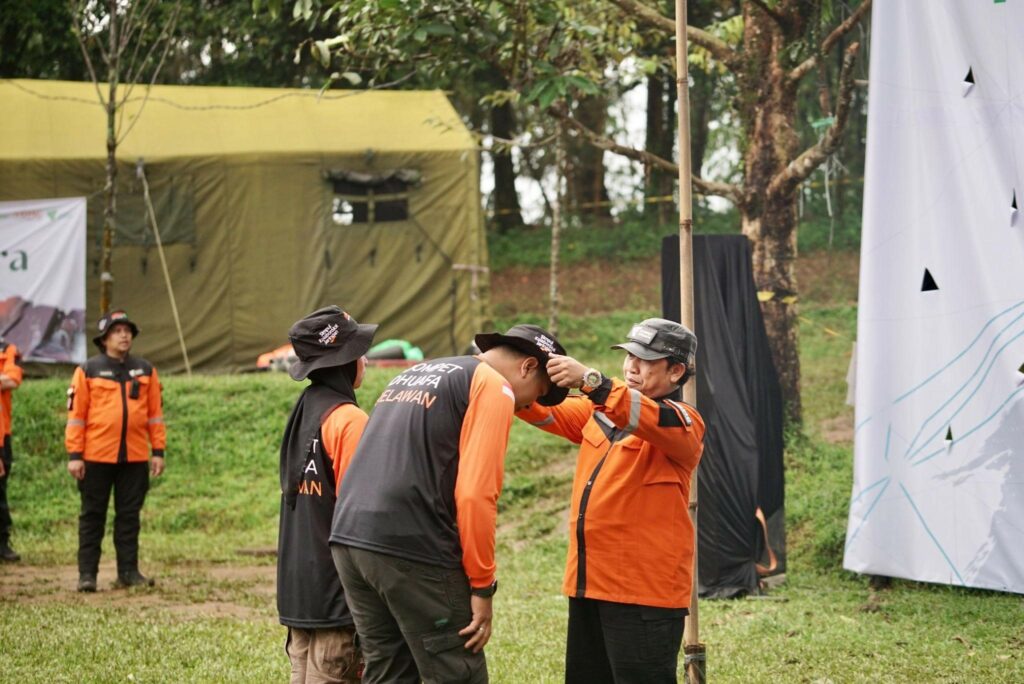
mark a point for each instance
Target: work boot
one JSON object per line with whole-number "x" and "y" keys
{"x": 87, "y": 583}
{"x": 133, "y": 578}
{"x": 8, "y": 554}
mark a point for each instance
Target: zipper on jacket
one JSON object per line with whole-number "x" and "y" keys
{"x": 581, "y": 544}
{"x": 122, "y": 450}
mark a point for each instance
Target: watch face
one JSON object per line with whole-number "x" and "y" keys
{"x": 592, "y": 378}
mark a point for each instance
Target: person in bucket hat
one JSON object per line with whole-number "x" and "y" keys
{"x": 418, "y": 507}
{"x": 115, "y": 439}
{"x": 629, "y": 569}
{"x": 321, "y": 435}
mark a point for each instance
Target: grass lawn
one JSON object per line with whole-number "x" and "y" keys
{"x": 210, "y": 521}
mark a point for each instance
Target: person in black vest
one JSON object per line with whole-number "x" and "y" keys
{"x": 321, "y": 435}
{"x": 413, "y": 530}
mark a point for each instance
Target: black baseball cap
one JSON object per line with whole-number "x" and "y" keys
{"x": 660, "y": 338}
{"x": 109, "y": 319}
{"x": 532, "y": 340}
{"x": 327, "y": 337}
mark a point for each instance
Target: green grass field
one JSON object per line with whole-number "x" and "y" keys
{"x": 209, "y": 522}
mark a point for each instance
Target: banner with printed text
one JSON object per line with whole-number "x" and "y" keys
{"x": 938, "y": 490}
{"x": 42, "y": 278}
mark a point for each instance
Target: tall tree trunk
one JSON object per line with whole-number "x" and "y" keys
{"x": 507, "y": 213}
{"x": 587, "y": 192}
{"x": 660, "y": 139}
{"x": 110, "y": 195}
{"x": 770, "y": 219}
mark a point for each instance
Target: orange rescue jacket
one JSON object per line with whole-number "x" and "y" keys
{"x": 114, "y": 409}
{"x": 630, "y": 535}
{"x": 10, "y": 365}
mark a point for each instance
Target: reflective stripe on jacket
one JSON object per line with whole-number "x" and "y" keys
{"x": 114, "y": 410}
{"x": 630, "y": 535}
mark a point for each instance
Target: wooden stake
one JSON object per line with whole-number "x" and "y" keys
{"x": 140, "y": 171}
{"x": 694, "y": 651}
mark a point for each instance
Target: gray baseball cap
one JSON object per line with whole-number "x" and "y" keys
{"x": 660, "y": 338}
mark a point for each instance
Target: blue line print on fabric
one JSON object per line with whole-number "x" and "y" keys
{"x": 888, "y": 436}
{"x": 971, "y": 395}
{"x": 930, "y": 534}
{"x": 862, "y": 424}
{"x": 871, "y": 508}
{"x": 908, "y": 455}
{"x": 958, "y": 356}
{"x": 975, "y": 428}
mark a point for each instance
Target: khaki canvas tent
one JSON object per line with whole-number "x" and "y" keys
{"x": 270, "y": 203}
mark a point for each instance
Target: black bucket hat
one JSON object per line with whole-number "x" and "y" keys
{"x": 327, "y": 337}
{"x": 660, "y": 338}
{"x": 109, "y": 319}
{"x": 532, "y": 340}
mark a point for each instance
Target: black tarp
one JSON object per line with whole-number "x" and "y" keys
{"x": 739, "y": 397}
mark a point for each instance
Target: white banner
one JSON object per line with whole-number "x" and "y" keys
{"x": 42, "y": 278}
{"x": 938, "y": 490}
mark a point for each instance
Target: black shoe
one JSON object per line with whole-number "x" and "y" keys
{"x": 87, "y": 583}
{"x": 8, "y": 554}
{"x": 133, "y": 578}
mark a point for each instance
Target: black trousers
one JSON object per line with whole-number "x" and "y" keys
{"x": 622, "y": 643}
{"x": 5, "y": 510}
{"x": 130, "y": 482}
{"x": 408, "y": 616}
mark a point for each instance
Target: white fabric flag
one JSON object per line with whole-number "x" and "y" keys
{"x": 42, "y": 278}
{"x": 938, "y": 490}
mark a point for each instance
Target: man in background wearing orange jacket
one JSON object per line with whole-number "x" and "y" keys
{"x": 630, "y": 562}
{"x": 10, "y": 379}
{"x": 115, "y": 415}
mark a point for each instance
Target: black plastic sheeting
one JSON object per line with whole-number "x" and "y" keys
{"x": 739, "y": 397}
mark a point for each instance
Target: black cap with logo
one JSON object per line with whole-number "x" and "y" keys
{"x": 108, "y": 320}
{"x": 327, "y": 337}
{"x": 532, "y": 340}
{"x": 660, "y": 338}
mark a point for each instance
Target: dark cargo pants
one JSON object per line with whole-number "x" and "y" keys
{"x": 130, "y": 481}
{"x": 622, "y": 643}
{"x": 408, "y": 616}
{"x": 5, "y": 510}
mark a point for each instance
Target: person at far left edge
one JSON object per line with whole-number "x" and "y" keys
{"x": 115, "y": 416}
{"x": 321, "y": 435}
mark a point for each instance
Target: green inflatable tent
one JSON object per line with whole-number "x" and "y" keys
{"x": 270, "y": 203}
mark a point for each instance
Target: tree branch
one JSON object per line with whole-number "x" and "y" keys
{"x": 808, "y": 64}
{"x": 805, "y": 164}
{"x": 780, "y": 18}
{"x": 718, "y": 48}
{"x": 700, "y": 185}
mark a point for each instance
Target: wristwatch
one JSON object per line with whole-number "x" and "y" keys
{"x": 485, "y": 592}
{"x": 592, "y": 379}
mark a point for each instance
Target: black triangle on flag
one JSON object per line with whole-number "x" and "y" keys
{"x": 929, "y": 283}
{"x": 1013, "y": 202}
{"x": 969, "y": 78}
{"x": 1021, "y": 369}
{"x": 949, "y": 434}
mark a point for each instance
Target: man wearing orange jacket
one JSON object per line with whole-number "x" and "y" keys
{"x": 10, "y": 380}
{"x": 630, "y": 564}
{"x": 115, "y": 415}
{"x": 413, "y": 530}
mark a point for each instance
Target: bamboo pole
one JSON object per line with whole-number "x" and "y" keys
{"x": 140, "y": 171}
{"x": 694, "y": 650}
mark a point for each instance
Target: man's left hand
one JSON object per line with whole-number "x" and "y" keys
{"x": 479, "y": 630}
{"x": 565, "y": 371}
{"x": 156, "y": 466}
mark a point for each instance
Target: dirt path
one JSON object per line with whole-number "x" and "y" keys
{"x": 189, "y": 590}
